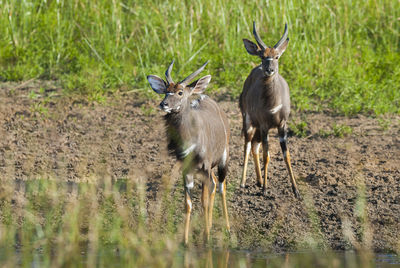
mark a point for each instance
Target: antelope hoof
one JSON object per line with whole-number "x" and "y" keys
{"x": 296, "y": 193}
{"x": 228, "y": 232}
{"x": 259, "y": 184}
{"x": 242, "y": 185}
{"x": 265, "y": 191}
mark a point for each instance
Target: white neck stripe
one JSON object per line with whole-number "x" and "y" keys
{"x": 276, "y": 109}
{"x": 188, "y": 150}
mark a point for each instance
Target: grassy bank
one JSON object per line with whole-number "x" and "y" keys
{"x": 343, "y": 55}
{"x": 53, "y": 224}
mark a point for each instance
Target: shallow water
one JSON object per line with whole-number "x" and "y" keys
{"x": 222, "y": 258}
{"x": 233, "y": 258}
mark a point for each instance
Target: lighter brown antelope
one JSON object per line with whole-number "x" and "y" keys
{"x": 265, "y": 104}
{"x": 198, "y": 135}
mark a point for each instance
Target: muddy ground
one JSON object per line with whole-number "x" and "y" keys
{"x": 45, "y": 134}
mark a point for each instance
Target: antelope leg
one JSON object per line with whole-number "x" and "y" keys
{"x": 222, "y": 190}
{"x": 212, "y": 196}
{"x": 188, "y": 204}
{"x": 266, "y": 159}
{"x": 255, "y": 146}
{"x": 204, "y": 200}
{"x": 286, "y": 157}
{"x": 247, "y": 146}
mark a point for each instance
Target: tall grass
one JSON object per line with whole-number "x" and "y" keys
{"x": 343, "y": 55}
{"x": 55, "y": 224}
{"x": 60, "y": 224}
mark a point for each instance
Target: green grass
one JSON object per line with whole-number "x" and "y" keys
{"x": 60, "y": 224}
{"x": 337, "y": 130}
{"x": 299, "y": 129}
{"x": 54, "y": 224}
{"x": 343, "y": 55}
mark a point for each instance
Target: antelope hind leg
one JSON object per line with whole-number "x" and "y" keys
{"x": 286, "y": 157}
{"x": 212, "y": 196}
{"x": 188, "y": 178}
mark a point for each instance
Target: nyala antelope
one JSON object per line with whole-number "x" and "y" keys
{"x": 198, "y": 135}
{"x": 265, "y": 104}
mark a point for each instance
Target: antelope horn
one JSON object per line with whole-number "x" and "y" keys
{"x": 168, "y": 73}
{"x": 188, "y": 79}
{"x": 258, "y": 39}
{"x": 283, "y": 38}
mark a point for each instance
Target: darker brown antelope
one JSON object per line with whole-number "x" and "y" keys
{"x": 198, "y": 135}
{"x": 265, "y": 104}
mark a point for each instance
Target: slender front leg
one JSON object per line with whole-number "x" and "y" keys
{"x": 255, "y": 146}
{"x": 286, "y": 156}
{"x": 222, "y": 190}
{"x": 266, "y": 161}
{"x": 212, "y": 196}
{"x": 247, "y": 146}
{"x": 204, "y": 200}
{"x": 189, "y": 183}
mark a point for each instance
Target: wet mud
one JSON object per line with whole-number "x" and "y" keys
{"x": 350, "y": 186}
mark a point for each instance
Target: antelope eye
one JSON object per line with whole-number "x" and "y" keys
{"x": 180, "y": 93}
{"x": 277, "y": 57}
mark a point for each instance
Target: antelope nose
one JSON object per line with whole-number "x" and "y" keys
{"x": 163, "y": 104}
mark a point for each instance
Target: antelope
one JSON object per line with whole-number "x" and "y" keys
{"x": 265, "y": 104}
{"x": 198, "y": 136}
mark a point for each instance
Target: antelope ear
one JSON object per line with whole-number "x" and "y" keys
{"x": 200, "y": 85}
{"x": 157, "y": 84}
{"x": 251, "y": 48}
{"x": 283, "y": 47}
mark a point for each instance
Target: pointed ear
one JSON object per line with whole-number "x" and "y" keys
{"x": 157, "y": 84}
{"x": 283, "y": 47}
{"x": 200, "y": 85}
{"x": 251, "y": 48}
{"x": 193, "y": 84}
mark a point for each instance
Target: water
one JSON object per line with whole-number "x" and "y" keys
{"x": 220, "y": 258}
{"x": 232, "y": 258}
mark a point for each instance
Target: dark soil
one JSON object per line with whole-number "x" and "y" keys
{"x": 350, "y": 185}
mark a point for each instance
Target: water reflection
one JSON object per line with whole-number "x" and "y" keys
{"x": 222, "y": 258}
{"x": 208, "y": 258}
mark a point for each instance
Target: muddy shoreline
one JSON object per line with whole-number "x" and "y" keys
{"x": 350, "y": 185}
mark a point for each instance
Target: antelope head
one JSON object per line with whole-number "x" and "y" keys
{"x": 269, "y": 55}
{"x": 177, "y": 94}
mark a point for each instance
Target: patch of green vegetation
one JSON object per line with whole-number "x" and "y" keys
{"x": 384, "y": 123}
{"x": 33, "y": 95}
{"x": 342, "y": 55}
{"x": 315, "y": 238}
{"x": 63, "y": 224}
{"x": 341, "y": 130}
{"x": 300, "y": 129}
{"x": 337, "y": 130}
{"x": 98, "y": 97}
{"x": 41, "y": 101}
{"x": 40, "y": 108}
{"x": 147, "y": 110}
